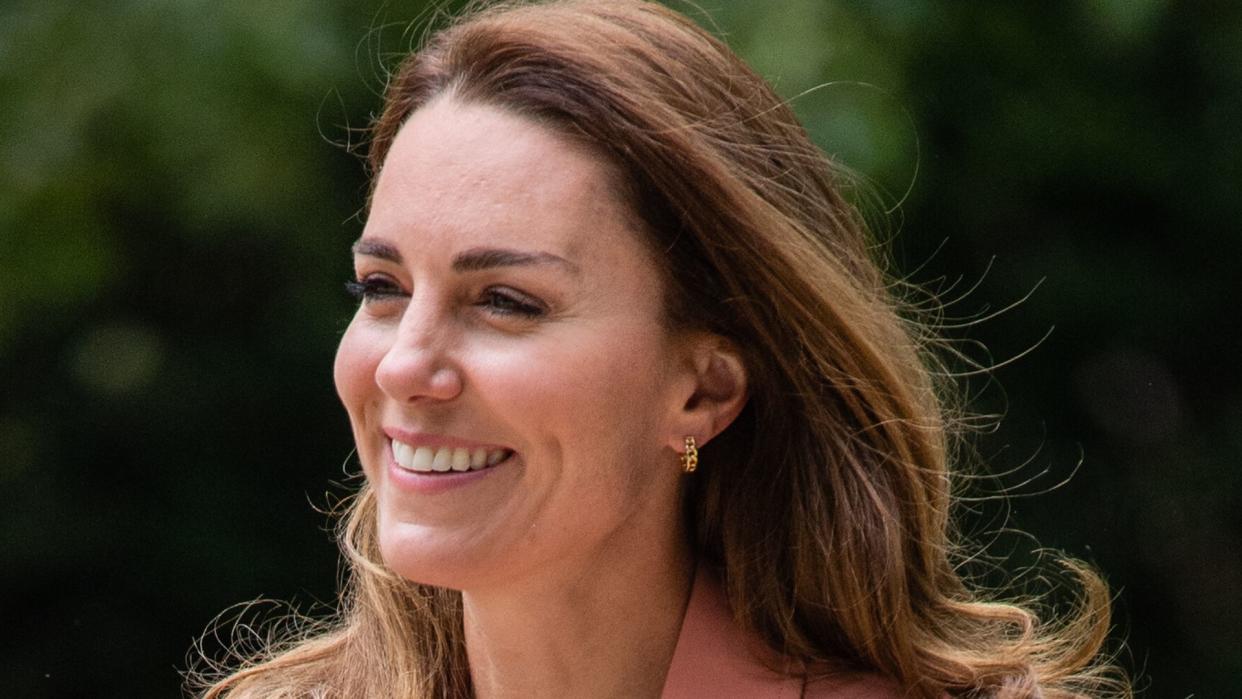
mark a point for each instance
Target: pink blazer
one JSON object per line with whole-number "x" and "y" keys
{"x": 715, "y": 659}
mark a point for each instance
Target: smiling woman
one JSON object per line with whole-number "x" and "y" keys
{"x": 596, "y": 244}
{"x": 498, "y": 273}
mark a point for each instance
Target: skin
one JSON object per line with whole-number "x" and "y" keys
{"x": 571, "y": 555}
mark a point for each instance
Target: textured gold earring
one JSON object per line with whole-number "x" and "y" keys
{"x": 690, "y": 459}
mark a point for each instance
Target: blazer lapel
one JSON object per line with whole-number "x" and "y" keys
{"x": 714, "y": 658}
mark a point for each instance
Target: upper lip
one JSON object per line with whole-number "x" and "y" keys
{"x": 426, "y": 439}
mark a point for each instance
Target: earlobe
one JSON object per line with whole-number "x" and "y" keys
{"x": 719, "y": 391}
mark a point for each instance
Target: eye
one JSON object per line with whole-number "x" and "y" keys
{"x": 372, "y": 288}
{"x": 509, "y": 302}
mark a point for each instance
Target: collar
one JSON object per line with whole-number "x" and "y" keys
{"x": 715, "y": 658}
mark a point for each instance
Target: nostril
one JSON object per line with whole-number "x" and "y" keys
{"x": 409, "y": 375}
{"x": 445, "y": 383}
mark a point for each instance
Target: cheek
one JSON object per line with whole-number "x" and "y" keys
{"x": 608, "y": 430}
{"x": 597, "y": 390}
{"x": 353, "y": 371}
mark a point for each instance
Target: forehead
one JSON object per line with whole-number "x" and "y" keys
{"x": 478, "y": 175}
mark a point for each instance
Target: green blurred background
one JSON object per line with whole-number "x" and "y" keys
{"x": 176, "y": 205}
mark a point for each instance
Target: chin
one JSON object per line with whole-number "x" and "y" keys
{"x": 420, "y": 554}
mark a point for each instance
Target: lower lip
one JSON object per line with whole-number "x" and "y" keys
{"x": 434, "y": 482}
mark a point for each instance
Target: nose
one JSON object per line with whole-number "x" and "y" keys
{"x": 418, "y": 365}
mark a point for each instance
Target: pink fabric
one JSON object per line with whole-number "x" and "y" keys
{"x": 714, "y": 658}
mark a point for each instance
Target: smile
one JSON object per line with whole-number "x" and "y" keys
{"x": 426, "y": 459}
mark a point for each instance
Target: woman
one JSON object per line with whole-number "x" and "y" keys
{"x": 639, "y": 414}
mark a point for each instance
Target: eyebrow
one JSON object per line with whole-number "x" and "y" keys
{"x": 471, "y": 260}
{"x": 486, "y": 258}
{"x": 376, "y": 248}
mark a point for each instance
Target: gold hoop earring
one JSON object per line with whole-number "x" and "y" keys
{"x": 690, "y": 459}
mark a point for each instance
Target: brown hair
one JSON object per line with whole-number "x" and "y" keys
{"x": 825, "y": 506}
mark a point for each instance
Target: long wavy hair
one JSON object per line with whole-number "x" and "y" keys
{"x": 825, "y": 508}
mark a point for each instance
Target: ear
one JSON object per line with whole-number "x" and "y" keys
{"x": 712, "y": 392}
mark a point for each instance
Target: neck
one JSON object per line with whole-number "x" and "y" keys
{"x": 608, "y": 629}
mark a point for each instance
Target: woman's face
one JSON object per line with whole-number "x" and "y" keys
{"x": 509, "y": 382}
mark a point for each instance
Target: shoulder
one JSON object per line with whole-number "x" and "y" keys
{"x": 715, "y": 658}
{"x": 852, "y": 685}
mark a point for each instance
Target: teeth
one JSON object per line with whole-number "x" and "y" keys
{"x": 443, "y": 459}
{"x": 402, "y": 452}
{"x": 422, "y": 459}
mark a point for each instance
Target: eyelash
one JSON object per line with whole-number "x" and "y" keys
{"x": 501, "y": 303}
{"x": 510, "y": 303}
{"x": 371, "y": 288}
